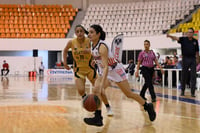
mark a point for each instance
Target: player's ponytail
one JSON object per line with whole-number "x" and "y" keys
{"x": 99, "y": 29}
{"x": 103, "y": 35}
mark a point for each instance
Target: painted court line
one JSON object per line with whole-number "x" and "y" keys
{"x": 182, "y": 99}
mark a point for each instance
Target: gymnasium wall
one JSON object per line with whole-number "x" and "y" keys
{"x": 20, "y": 65}
{"x": 43, "y": 54}
{"x": 130, "y": 43}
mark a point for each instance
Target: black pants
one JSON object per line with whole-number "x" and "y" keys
{"x": 41, "y": 71}
{"x": 132, "y": 72}
{"x": 148, "y": 75}
{"x": 2, "y": 70}
{"x": 189, "y": 63}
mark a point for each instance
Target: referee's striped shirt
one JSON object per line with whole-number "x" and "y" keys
{"x": 147, "y": 58}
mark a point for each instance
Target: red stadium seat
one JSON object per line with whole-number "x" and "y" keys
{"x": 38, "y": 35}
{"x": 42, "y": 35}
{"x": 18, "y": 35}
{"x": 46, "y": 30}
{"x": 8, "y": 35}
{"x": 57, "y": 35}
{"x": 47, "y": 35}
{"x": 62, "y": 35}
{"x": 52, "y": 35}
{"x": 22, "y": 20}
{"x": 3, "y": 35}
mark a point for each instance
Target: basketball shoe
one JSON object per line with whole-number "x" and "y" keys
{"x": 109, "y": 111}
{"x": 97, "y": 120}
{"x": 150, "y": 109}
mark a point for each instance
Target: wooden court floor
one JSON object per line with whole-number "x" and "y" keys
{"x": 52, "y": 105}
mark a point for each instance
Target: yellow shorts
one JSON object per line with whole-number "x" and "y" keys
{"x": 83, "y": 72}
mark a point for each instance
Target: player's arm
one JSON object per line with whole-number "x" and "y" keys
{"x": 103, "y": 51}
{"x": 65, "y": 52}
{"x": 173, "y": 37}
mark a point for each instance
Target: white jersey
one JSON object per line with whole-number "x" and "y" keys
{"x": 116, "y": 71}
{"x": 112, "y": 62}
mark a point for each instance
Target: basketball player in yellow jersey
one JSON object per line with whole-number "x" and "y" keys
{"x": 81, "y": 51}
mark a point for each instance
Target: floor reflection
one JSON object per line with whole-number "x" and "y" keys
{"x": 54, "y": 103}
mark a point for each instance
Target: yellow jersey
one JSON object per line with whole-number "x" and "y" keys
{"x": 81, "y": 53}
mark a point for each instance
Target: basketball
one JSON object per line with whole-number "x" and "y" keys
{"x": 91, "y": 102}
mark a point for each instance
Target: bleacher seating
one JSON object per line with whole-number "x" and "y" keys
{"x": 35, "y": 21}
{"x": 138, "y": 18}
{"x": 195, "y": 24}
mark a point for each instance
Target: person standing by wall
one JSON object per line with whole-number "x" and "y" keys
{"x": 190, "y": 57}
{"x": 41, "y": 69}
{"x": 146, "y": 59}
{"x": 131, "y": 67}
{"x": 5, "y": 68}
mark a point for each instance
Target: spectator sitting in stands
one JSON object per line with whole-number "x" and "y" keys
{"x": 131, "y": 67}
{"x": 165, "y": 62}
{"x": 169, "y": 64}
{"x": 175, "y": 54}
{"x": 179, "y": 64}
{"x": 59, "y": 65}
{"x": 158, "y": 58}
{"x": 5, "y": 68}
{"x": 175, "y": 62}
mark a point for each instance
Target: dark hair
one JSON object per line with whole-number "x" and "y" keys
{"x": 99, "y": 29}
{"x": 147, "y": 41}
{"x": 86, "y": 32}
{"x": 191, "y": 29}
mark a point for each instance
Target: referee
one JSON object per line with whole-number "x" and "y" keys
{"x": 147, "y": 58}
{"x": 190, "y": 57}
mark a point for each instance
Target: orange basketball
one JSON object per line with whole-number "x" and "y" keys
{"x": 91, "y": 102}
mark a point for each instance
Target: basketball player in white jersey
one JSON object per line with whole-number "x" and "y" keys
{"x": 110, "y": 69}
{"x": 82, "y": 65}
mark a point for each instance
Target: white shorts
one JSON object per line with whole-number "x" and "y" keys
{"x": 117, "y": 74}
